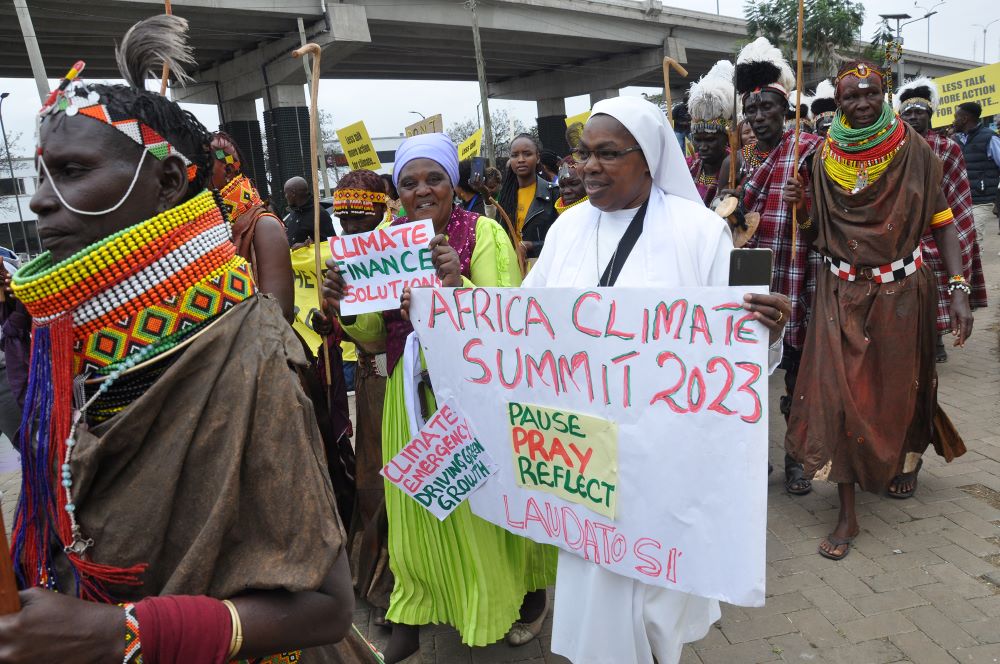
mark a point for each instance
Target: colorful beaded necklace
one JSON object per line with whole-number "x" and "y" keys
{"x": 560, "y": 207}
{"x": 752, "y": 157}
{"x": 238, "y": 196}
{"x": 127, "y": 299}
{"x": 706, "y": 179}
{"x": 856, "y": 158}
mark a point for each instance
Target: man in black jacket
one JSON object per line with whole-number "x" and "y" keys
{"x": 981, "y": 149}
{"x": 299, "y": 220}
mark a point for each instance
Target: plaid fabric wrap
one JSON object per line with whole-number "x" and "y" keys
{"x": 762, "y": 194}
{"x": 959, "y": 196}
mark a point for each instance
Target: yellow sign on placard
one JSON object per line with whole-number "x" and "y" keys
{"x": 471, "y": 146}
{"x": 431, "y": 125}
{"x": 578, "y": 118}
{"x": 358, "y": 147}
{"x": 571, "y": 455}
{"x": 981, "y": 85}
{"x": 306, "y": 284}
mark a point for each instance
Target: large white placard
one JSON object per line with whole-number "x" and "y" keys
{"x": 378, "y": 265}
{"x": 629, "y": 425}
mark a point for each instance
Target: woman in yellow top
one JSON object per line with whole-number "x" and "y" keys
{"x": 527, "y": 197}
{"x": 481, "y": 579}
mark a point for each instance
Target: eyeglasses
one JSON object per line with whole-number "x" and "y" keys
{"x": 604, "y": 156}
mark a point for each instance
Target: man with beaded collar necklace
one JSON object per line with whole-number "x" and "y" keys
{"x": 764, "y": 81}
{"x": 865, "y": 404}
{"x": 149, "y": 475}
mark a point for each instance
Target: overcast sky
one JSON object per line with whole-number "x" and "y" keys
{"x": 383, "y": 106}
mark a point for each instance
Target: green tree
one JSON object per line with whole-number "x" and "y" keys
{"x": 829, "y": 27}
{"x": 8, "y": 203}
{"x": 880, "y": 40}
{"x": 505, "y": 128}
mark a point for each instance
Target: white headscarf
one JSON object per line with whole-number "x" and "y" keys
{"x": 649, "y": 126}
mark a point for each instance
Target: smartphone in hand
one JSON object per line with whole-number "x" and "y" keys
{"x": 750, "y": 267}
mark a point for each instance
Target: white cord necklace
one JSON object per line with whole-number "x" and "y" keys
{"x": 52, "y": 182}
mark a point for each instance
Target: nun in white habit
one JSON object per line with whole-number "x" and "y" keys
{"x": 633, "y": 159}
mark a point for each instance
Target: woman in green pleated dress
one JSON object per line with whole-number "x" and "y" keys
{"x": 463, "y": 571}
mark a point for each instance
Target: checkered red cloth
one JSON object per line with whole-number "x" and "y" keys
{"x": 956, "y": 191}
{"x": 796, "y": 279}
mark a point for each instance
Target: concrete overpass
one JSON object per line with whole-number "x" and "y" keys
{"x": 540, "y": 50}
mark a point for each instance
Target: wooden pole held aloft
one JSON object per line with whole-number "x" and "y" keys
{"x": 316, "y": 52}
{"x": 168, "y": 10}
{"x": 10, "y": 602}
{"x": 668, "y": 64}
{"x": 798, "y": 121}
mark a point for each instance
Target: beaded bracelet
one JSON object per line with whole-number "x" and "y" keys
{"x": 959, "y": 285}
{"x": 133, "y": 646}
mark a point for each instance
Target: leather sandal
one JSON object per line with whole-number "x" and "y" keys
{"x": 904, "y": 477}
{"x": 836, "y": 542}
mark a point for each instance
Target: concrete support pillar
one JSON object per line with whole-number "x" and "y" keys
{"x": 240, "y": 121}
{"x": 286, "y": 126}
{"x": 552, "y": 125}
{"x": 600, "y": 95}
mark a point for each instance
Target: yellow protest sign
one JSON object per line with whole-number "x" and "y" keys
{"x": 306, "y": 285}
{"x": 580, "y": 118}
{"x": 571, "y": 455}
{"x": 471, "y": 146}
{"x": 358, "y": 147}
{"x": 431, "y": 125}
{"x": 979, "y": 85}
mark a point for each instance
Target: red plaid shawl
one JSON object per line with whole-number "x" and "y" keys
{"x": 956, "y": 190}
{"x": 796, "y": 279}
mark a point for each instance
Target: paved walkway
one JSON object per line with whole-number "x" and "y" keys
{"x": 921, "y": 585}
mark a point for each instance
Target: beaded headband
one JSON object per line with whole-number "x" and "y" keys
{"x": 718, "y": 124}
{"x": 919, "y": 102}
{"x": 357, "y": 201}
{"x": 773, "y": 87}
{"x": 74, "y": 97}
{"x": 862, "y": 72}
{"x": 824, "y": 115}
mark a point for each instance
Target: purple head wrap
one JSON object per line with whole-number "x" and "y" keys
{"x": 436, "y": 147}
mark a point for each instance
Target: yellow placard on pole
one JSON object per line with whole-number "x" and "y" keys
{"x": 358, "y": 147}
{"x": 306, "y": 283}
{"x": 471, "y": 146}
{"x": 578, "y": 118}
{"x": 981, "y": 85}
{"x": 431, "y": 125}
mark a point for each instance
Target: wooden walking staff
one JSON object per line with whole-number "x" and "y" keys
{"x": 798, "y": 120}
{"x": 668, "y": 64}
{"x": 166, "y": 68}
{"x": 9, "y": 600}
{"x": 315, "y": 51}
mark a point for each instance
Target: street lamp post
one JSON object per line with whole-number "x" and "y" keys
{"x": 929, "y": 12}
{"x": 985, "y": 28}
{"x": 422, "y": 116}
{"x": 13, "y": 180}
